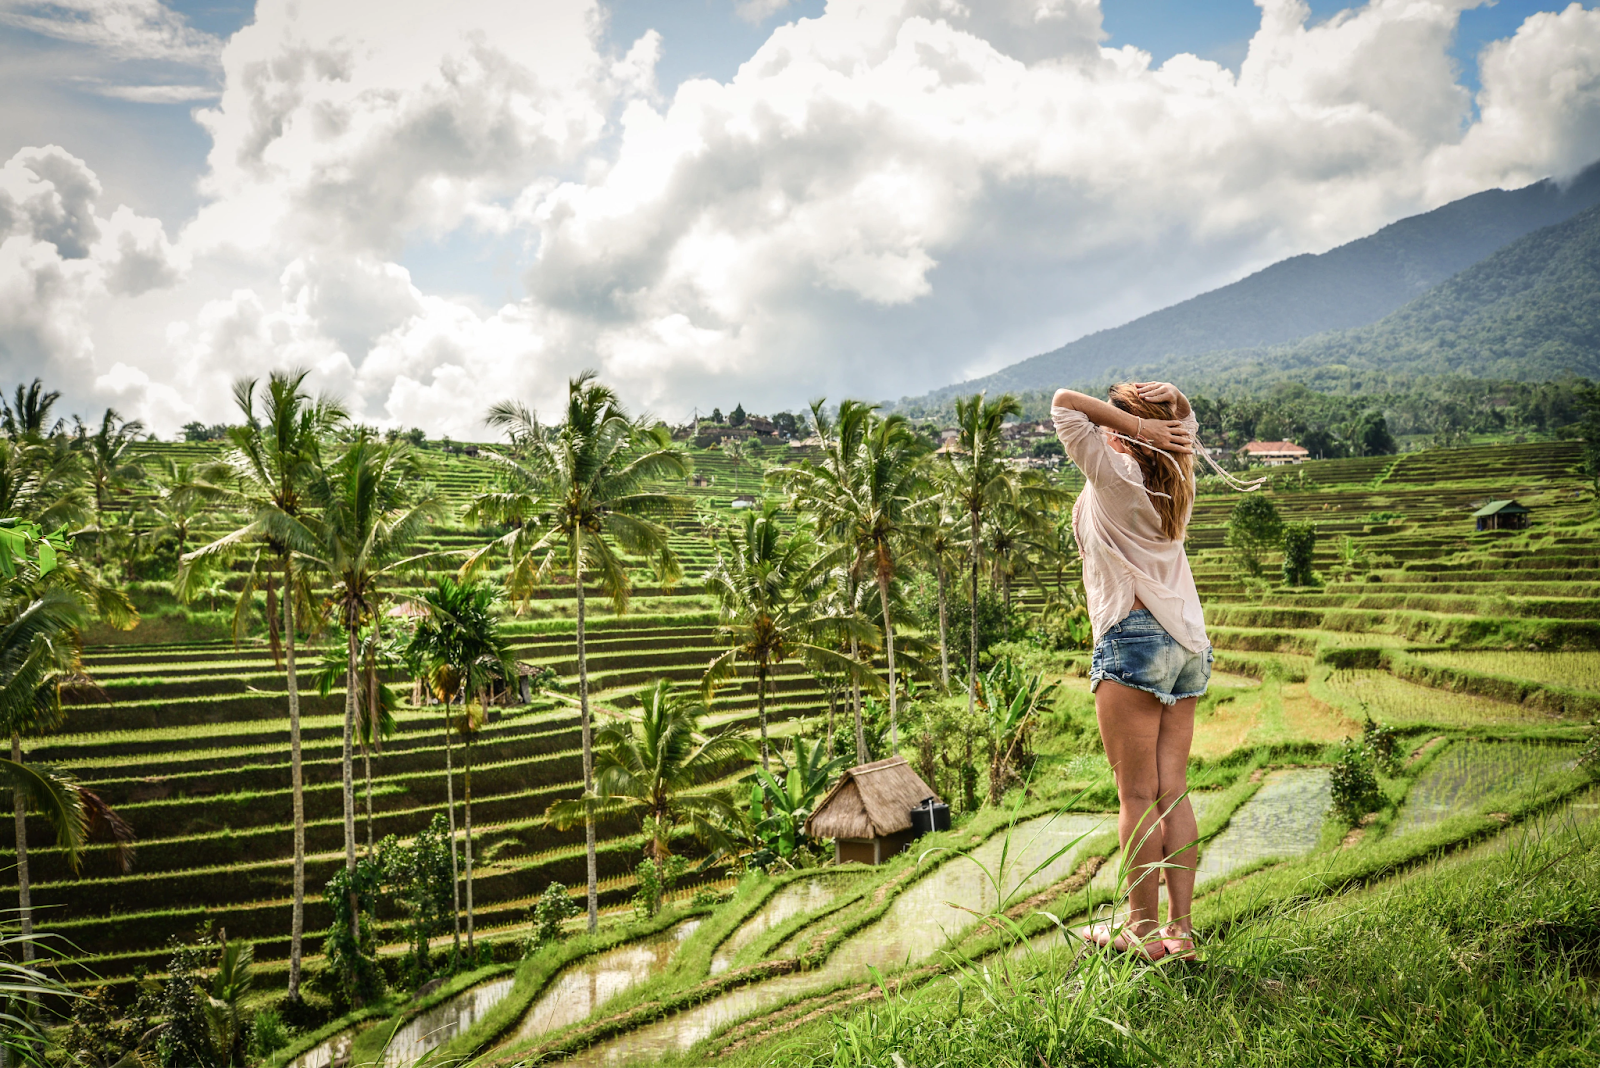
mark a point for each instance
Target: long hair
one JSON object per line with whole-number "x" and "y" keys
{"x": 1161, "y": 475}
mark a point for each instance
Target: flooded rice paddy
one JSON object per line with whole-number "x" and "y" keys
{"x": 1467, "y": 773}
{"x": 429, "y": 1030}
{"x": 808, "y": 895}
{"x": 912, "y": 929}
{"x": 585, "y": 986}
{"x": 1283, "y": 819}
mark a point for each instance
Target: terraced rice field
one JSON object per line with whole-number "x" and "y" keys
{"x": 186, "y": 735}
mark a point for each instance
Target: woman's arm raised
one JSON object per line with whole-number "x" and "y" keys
{"x": 1168, "y": 434}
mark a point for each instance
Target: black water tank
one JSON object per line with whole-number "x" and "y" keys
{"x": 931, "y": 815}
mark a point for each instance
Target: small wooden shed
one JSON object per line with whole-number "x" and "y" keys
{"x": 1502, "y": 515}
{"x": 868, "y": 811}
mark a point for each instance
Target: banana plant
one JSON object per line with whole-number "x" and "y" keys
{"x": 779, "y": 808}
{"x": 1011, "y": 699}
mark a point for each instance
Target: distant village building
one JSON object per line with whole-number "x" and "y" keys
{"x": 811, "y": 442}
{"x": 1274, "y": 453}
{"x": 868, "y": 811}
{"x": 699, "y": 480}
{"x": 744, "y": 500}
{"x": 1502, "y": 515}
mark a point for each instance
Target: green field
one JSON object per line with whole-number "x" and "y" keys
{"x": 1482, "y": 650}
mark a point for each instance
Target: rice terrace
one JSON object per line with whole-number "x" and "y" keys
{"x": 800, "y": 533}
{"x": 1410, "y": 727}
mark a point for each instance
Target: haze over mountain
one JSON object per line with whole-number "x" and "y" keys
{"x": 1352, "y": 285}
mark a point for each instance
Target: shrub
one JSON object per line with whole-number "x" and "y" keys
{"x": 1589, "y": 755}
{"x": 655, "y": 881}
{"x": 1355, "y": 785}
{"x": 1254, "y": 527}
{"x": 268, "y": 1033}
{"x": 1299, "y": 546}
{"x": 1381, "y": 742}
{"x": 549, "y": 916}
{"x": 185, "y": 1040}
{"x": 352, "y": 977}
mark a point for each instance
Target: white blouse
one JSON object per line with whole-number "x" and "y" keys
{"x": 1125, "y": 553}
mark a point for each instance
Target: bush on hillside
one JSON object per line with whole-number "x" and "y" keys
{"x": 1254, "y": 527}
{"x": 1299, "y": 546}
{"x": 655, "y": 881}
{"x": 1382, "y": 744}
{"x": 351, "y": 976}
{"x": 548, "y": 917}
{"x": 1355, "y": 784}
{"x": 1589, "y": 755}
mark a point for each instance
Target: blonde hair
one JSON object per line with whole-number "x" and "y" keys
{"x": 1168, "y": 477}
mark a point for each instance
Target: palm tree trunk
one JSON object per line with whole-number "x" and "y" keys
{"x": 24, "y": 896}
{"x": 366, "y": 770}
{"x": 297, "y": 915}
{"x": 466, "y": 844}
{"x": 352, "y": 681}
{"x": 855, "y": 701}
{"x": 894, "y": 682}
{"x": 450, "y": 803}
{"x": 588, "y": 738}
{"x": 761, "y": 710}
{"x": 944, "y": 629}
{"x": 833, "y": 703}
{"x": 972, "y": 605}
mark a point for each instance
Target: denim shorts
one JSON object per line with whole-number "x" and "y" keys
{"x": 1139, "y": 653}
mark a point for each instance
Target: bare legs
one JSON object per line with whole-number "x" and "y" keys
{"x": 1148, "y": 746}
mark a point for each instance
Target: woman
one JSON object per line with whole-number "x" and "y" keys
{"x": 1151, "y": 659}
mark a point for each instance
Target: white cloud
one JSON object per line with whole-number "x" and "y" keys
{"x": 881, "y": 200}
{"x": 121, "y": 29}
{"x": 157, "y": 94}
{"x": 58, "y": 259}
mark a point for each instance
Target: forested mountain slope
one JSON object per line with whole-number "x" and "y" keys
{"x": 1349, "y": 286}
{"x": 1529, "y": 312}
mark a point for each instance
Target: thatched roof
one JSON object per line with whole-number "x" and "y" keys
{"x": 870, "y": 801}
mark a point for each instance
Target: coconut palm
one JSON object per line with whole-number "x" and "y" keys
{"x": 937, "y": 543}
{"x": 113, "y": 458}
{"x": 860, "y": 498}
{"x": 375, "y": 701}
{"x": 42, "y": 481}
{"x": 273, "y": 458}
{"x": 370, "y": 506}
{"x": 28, "y": 416}
{"x": 575, "y": 494}
{"x": 977, "y": 483}
{"x": 39, "y": 622}
{"x": 185, "y": 489}
{"x": 757, "y": 582}
{"x": 458, "y": 645}
{"x": 651, "y": 765}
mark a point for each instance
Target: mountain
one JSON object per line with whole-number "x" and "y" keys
{"x": 1529, "y": 312}
{"x": 1349, "y": 286}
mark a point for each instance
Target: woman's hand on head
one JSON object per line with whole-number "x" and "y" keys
{"x": 1167, "y": 434}
{"x": 1158, "y": 392}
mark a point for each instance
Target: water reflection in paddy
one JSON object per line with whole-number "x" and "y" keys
{"x": 808, "y": 895}
{"x": 593, "y": 981}
{"x": 911, "y": 929}
{"x": 329, "y": 1053}
{"x": 428, "y": 1031}
{"x": 1283, "y": 819}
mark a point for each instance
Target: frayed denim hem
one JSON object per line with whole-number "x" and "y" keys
{"x": 1165, "y": 698}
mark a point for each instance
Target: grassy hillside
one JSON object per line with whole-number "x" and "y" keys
{"x": 1349, "y": 286}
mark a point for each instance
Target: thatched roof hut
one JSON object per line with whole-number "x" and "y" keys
{"x": 868, "y": 811}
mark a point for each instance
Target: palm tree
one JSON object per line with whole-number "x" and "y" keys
{"x": 575, "y": 493}
{"x": 370, "y": 507}
{"x": 458, "y": 644}
{"x": 114, "y": 461}
{"x": 860, "y": 497}
{"x": 938, "y": 543}
{"x": 183, "y": 490}
{"x": 31, "y": 413}
{"x": 274, "y": 455}
{"x": 977, "y": 482}
{"x": 650, "y": 765}
{"x": 375, "y": 701}
{"x": 756, "y": 581}
{"x": 39, "y": 623}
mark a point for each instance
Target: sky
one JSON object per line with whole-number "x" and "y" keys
{"x": 435, "y": 207}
